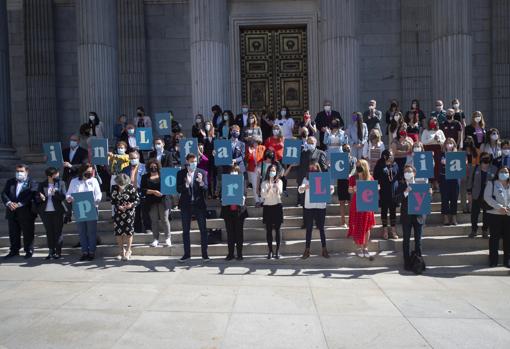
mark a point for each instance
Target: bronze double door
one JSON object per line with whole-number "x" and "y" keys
{"x": 274, "y": 71}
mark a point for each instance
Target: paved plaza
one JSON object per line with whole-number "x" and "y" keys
{"x": 154, "y": 302}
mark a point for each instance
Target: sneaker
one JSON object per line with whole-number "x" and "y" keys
{"x": 472, "y": 235}
{"x": 366, "y": 253}
{"x": 119, "y": 257}
{"x": 127, "y": 256}
{"x": 168, "y": 242}
{"x": 359, "y": 253}
{"x": 155, "y": 243}
{"x": 343, "y": 226}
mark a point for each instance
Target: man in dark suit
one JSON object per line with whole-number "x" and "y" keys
{"x": 163, "y": 156}
{"x": 324, "y": 119}
{"x": 241, "y": 120}
{"x": 18, "y": 198}
{"x": 74, "y": 157}
{"x": 192, "y": 186}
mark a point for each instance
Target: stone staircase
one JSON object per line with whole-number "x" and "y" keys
{"x": 445, "y": 246}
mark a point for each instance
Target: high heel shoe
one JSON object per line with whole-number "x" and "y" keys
{"x": 325, "y": 252}
{"x": 306, "y": 254}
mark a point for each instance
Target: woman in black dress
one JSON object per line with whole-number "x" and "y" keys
{"x": 125, "y": 198}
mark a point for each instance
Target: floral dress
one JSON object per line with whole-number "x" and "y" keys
{"x": 124, "y": 221}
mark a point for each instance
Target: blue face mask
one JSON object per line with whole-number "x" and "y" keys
{"x": 73, "y": 144}
{"x": 503, "y": 176}
{"x": 193, "y": 165}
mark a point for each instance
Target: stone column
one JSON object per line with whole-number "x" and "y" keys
{"x": 500, "y": 66}
{"x": 209, "y": 54}
{"x": 98, "y": 76}
{"x": 339, "y": 54}
{"x": 452, "y": 53}
{"x": 132, "y": 56}
{"x": 40, "y": 74}
{"x": 5, "y": 97}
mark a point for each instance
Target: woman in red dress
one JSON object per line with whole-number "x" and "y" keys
{"x": 360, "y": 223}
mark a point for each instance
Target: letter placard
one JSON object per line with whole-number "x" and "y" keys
{"x": 340, "y": 167}
{"x": 186, "y": 146}
{"x": 232, "y": 189}
{"x": 144, "y": 138}
{"x": 319, "y": 183}
{"x": 99, "y": 150}
{"x": 419, "y": 199}
{"x": 84, "y": 208}
{"x": 455, "y": 165}
{"x": 169, "y": 180}
{"x": 424, "y": 164}
{"x": 367, "y": 196}
{"x": 53, "y": 152}
{"x": 223, "y": 150}
{"x": 292, "y": 151}
{"x": 163, "y": 124}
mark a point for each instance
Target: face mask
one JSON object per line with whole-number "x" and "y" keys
{"x": 396, "y": 117}
{"x": 234, "y": 173}
{"x": 456, "y": 105}
{"x": 371, "y": 107}
{"x": 87, "y": 175}
{"x": 139, "y": 113}
{"x": 235, "y": 134}
{"x": 20, "y": 176}
{"x": 347, "y": 151}
{"x": 408, "y": 176}
{"x": 198, "y": 121}
{"x": 245, "y": 110}
{"x": 413, "y": 106}
{"x": 283, "y": 113}
{"x": 252, "y": 121}
{"x": 208, "y": 127}
{"x": 432, "y": 125}
{"x": 272, "y": 174}
{"x": 91, "y": 117}
{"x": 121, "y": 151}
{"x": 506, "y": 152}
{"x": 276, "y": 132}
{"x": 354, "y": 118}
{"x": 449, "y": 146}
{"x": 327, "y": 108}
{"x": 311, "y": 146}
{"x": 131, "y": 131}
{"x": 134, "y": 162}
{"x": 494, "y": 137}
{"x": 193, "y": 165}
{"x": 225, "y": 117}
{"x": 503, "y": 176}
{"x": 478, "y": 119}
{"x": 159, "y": 147}
{"x": 417, "y": 149}
{"x": 359, "y": 169}
{"x": 449, "y": 117}
{"x": 153, "y": 169}
{"x": 73, "y": 144}
{"x": 439, "y": 108}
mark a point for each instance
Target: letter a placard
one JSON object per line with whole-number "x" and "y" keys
{"x": 223, "y": 152}
{"x": 84, "y": 208}
{"x": 319, "y": 183}
{"x": 455, "y": 165}
{"x": 367, "y": 196}
{"x": 232, "y": 189}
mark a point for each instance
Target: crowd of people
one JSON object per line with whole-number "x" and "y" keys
{"x": 380, "y": 147}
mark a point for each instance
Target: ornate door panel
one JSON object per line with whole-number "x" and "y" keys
{"x": 274, "y": 69}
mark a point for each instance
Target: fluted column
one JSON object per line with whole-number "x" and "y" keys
{"x": 339, "y": 52}
{"x": 98, "y": 76}
{"x": 452, "y": 52}
{"x": 5, "y": 97}
{"x": 500, "y": 65}
{"x": 209, "y": 54}
{"x": 40, "y": 74}
{"x": 132, "y": 57}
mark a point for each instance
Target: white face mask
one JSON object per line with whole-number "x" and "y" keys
{"x": 21, "y": 176}
{"x": 134, "y": 162}
{"x": 272, "y": 174}
{"x": 506, "y": 152}
{"x": 276, "y": 132}
{"x": 449, "y": 146}
{"x": 73, "y": 144}
{"x": 456, "y": 105}
{"x": 417, "y": 149}
{"x": 159, "y": 146}
{"x": 91, "y": 117}
{"x": 478, "y": 119}
{"x": 439, "y": 107}
{"x": 207, "y": 127}
{"x": 503, "y": 176}
{"x": 283, "y": 112}
{"x": 327, "y": 108}
{"x": 494, "y": 137}
{"x": 408, "y": 176}
{"x": 396, "y": 117}
{"x": 245, "y": 110}
{"x": 252, "y": 121}
{"x": 225, "y": 117}
{"x": 311, "y": 146}
{"x": 234, "y": 173}
{"x": 198, "y": 121}
{"x": 121, "y": 151}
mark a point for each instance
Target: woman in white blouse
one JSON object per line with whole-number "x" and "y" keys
{"x": 86, "y": 182}
{"x": 497, "y": 196}
{"x": 271, "y": 191}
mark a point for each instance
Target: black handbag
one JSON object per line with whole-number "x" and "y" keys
{"x": 213, "y": 236}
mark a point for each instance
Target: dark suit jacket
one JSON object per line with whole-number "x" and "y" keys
{"x": 185, "y": 200}
{"x": 322, "y": 120}
{"x": 25, "y": 197}
{"x": 239, "y": 121}
{"x": 58, "y": 197}
{"x": 306, "y": 158}
{"x": 166, "y": 158}
{"x": 80, "y": 157}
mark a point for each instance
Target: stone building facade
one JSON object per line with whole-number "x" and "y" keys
{"x": 60, "y": 59}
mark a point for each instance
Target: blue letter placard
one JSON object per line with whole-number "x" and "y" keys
{"x": 169, "y": 180}
{"x": 455, "y": 165}
{"x": 84, "y": 208}
{"x": 99, "y": 151}
{"x": 163, "y": 125}
{"x": 419, "y": 199}
{"x": 186, "y": 146}
{"x": 340, "y": 167}
{"x": 232, "y": 189}
{"x": 223, "y": 150}
{"x": 144, "y": 138}
{"x": 319, "y": 186}
{"x": 292, "y": 151}
{"x": 367, "y": 196}
{"x": 53, "y": 152}
{"x": 424, "y": 164}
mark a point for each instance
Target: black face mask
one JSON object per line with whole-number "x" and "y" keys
{"x": 486, "y": 161}
{"x": 87, "y": 175}
{"x": 359, "y": 169}
{"x": 153, "y": 170}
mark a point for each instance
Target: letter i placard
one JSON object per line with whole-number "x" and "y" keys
{"x": 84, "y": 208}
{"x": 53, "y": 152}
{"x": 232, "y": 189}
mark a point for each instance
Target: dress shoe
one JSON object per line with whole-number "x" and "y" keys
{"x": 48, "y": 257}
{"x": 229, "y": 257}
{"x": 91, "y": 257}
{"x": 84, "y": 257}
{"x": 184, "y": 259}
{"x": 325, "y": 252}
{"x": 11, "y": 254}
{"x": 28, "y": 255}
{"x": 239, "y": 258}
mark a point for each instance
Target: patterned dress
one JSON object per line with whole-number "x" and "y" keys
{"x": 359, "y": 222}
{"x": 124, "y": 221}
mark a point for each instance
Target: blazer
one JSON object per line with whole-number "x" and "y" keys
{"x": 25, "y": 197}
{"x": 80, "y": 157}
{"x": 240, "y": 122}
{"x": 199, "y": 192}
{"x": 58, "y": 198}
{"x": 308, "y": 156}
{"x": 474, "y": 182}
{"x": 166, "y": 158}
{"x": 322, "y": 120}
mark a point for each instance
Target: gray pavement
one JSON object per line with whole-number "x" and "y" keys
{"x": 154, "y": 302}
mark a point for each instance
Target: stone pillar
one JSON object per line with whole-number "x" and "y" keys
{"x": 209, "y": 54}
{"x": 339, "y": 54}
{"x": 452, "y": 53}
{"x": 5, "y": 96}
{"x": 500, "y": 66}
{"x": 132, "y": 56}
{"x": 40, "y": 74}
{"x": 98, "y": 76}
